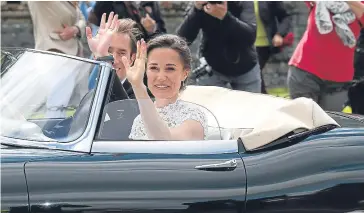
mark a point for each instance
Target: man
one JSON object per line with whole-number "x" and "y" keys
{"x": 122, "y": 37}
{"x": 229, "y": 32}
{"x": 123, "y": 43}
{"x": 359, "y": 56}
{"x": 356, "y": 92}
{"x": 274, "y": 23}
{"x": 146, "y": 14}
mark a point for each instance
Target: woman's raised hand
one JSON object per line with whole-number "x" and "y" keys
{"x": 135, "y": 74}
{"x": 99, "y": 44}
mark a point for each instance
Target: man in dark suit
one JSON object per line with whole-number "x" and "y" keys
{"x": 123, "y": 43}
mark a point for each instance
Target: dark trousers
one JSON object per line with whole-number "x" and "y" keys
{"x": 359, "y": 63}
{"x": 263, "y": 56}
{"x": 329, "y": 95}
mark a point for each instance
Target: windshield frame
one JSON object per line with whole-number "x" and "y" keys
{"x": 84, "y": 142}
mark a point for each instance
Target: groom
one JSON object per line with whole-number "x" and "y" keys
{"x": 123, "y": 42}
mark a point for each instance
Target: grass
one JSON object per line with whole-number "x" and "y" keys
{"x": 283, "y": 92}
{"x": 41, "y": 115}
{"x": 279, "y": 91}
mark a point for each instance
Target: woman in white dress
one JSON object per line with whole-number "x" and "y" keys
{"x": 167, "y": 62}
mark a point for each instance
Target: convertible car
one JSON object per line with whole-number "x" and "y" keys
{"x": 65, "y": 147}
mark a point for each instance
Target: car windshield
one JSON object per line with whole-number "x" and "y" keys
{"x": 41, "y": 95}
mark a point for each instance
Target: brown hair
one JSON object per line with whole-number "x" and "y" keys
{"x": 130, "y": 27}
{"x": 176, "y": 43}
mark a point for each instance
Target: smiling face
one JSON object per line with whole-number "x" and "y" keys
{"x": 121, "y": 46}
{"x": 165, "y": 72}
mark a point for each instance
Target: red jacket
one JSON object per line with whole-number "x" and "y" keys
{"x": 325, "y": 55}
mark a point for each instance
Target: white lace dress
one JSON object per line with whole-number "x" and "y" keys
{"x": 174, "y": 115}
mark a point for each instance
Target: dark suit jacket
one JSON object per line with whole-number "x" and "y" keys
{"x": 130, "y": 92}
{"x": 128, "y": 89}
{"x": 276, "y": 19}
{"x": 359, "y": 57}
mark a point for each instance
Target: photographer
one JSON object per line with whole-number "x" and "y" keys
{"x": 229, "y": 32}
{"x": 146, "y": 14}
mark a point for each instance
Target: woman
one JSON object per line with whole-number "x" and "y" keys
{"x": 322, "y": 62}
{"x": 168, "y": 66}
{"x": 273, "y": 24}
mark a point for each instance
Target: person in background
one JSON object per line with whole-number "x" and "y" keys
{"x": 273, "y": 24}
{"x": 146, "y": 14}
{"x": 58, "y": 26}
{"x": 86, "y": 7}
{"x": 359, "y": 56}
{"x": 356, "y": 91}
{"x": 228, "y": 36}
{"x": 322, "y": 62}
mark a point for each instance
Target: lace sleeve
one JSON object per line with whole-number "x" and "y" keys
{"x": 137, "y": 130}
{"x": 195, "y": 113}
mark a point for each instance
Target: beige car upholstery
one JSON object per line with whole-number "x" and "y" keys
{"x": 257, "y": 119}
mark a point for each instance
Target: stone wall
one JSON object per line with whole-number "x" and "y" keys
{"x": 17, "y": 31}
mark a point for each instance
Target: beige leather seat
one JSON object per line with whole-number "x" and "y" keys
{"x": 257, "y": 119}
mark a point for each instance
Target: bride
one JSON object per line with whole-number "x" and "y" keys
{"x": 166, "y": 59}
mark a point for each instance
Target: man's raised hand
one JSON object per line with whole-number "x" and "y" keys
{"x": 100, "y": 43}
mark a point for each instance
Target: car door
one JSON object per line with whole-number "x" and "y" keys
{"x": 201, "y": 181}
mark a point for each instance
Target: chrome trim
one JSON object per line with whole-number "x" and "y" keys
{"x": 58, "y": 54}
{"x": 167, "y": 147}
{"x": 231, "y": 164}
{"x": 84, "y": 142}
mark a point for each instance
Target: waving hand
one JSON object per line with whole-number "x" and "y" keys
{"x": 135, "y": 74}
{"x": 99, "y": 44}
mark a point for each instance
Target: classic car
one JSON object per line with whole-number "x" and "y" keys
{"x": 65, "y": 147}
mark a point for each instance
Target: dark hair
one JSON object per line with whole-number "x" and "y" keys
{"x": 176, "y": 43}
{"x": 130, "y": 27}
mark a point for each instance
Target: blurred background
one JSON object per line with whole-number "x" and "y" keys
{"x": 17, "y": 31}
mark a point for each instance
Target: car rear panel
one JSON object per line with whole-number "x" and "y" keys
{"x": 324, "y": 173}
